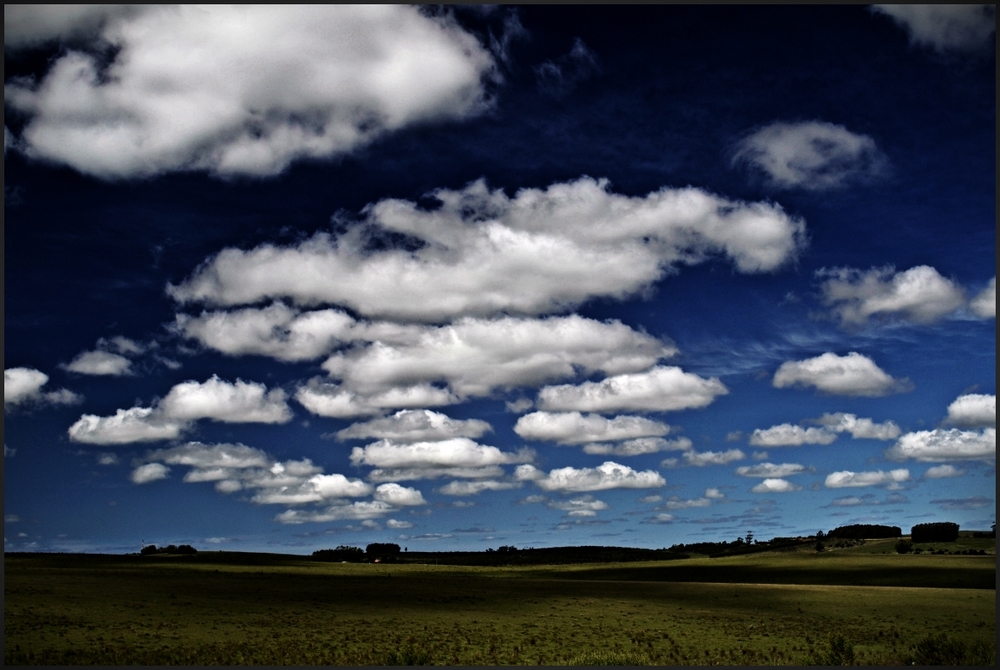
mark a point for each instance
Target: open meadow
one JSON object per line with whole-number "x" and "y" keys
{"x": 858, "y": 605}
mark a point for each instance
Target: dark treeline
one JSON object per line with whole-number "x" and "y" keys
{"x": 865, "y": 531}
{"x": 741, "y": 546}
{"x": 150, "y": 549}
{"x": 506, "y": 555}
{"x": 934, "y": 532}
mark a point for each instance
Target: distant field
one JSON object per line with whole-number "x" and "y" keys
{"x": 247, "y": 609}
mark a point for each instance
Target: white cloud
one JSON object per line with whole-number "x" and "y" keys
{"x": 576, "y": 428}
{"x": 608, "y": 475}
{"x": 771, "y": 470}
{"x": 853, "y": 375}
{"x": 361, "y": 509}
{"x": 472, "y": 488}
{"x": 245, "y": 90}
{"x": 203, "y": 456}
{"x": 519, "y": 405}
{"x": 848, "y": 479}
{"x": 107, "y": 459}
{"x": 414, "y": 473}
{"x": 401, "y": 496}
{"x": 920, "y": 294}
{"x": 23, "y": 386}
{"x": 660, "y": 389}
{"x": 459, "y": 452}
{"x": 396, "y": 524}
{"x": 149, "y": 473}
{"x": 973, "y": 410}
{"x": 944, "y": 27}
{"x": 584, "y": 506}
{"x": 985, "y": 302}
{"x": 485, "y": 253}
{"x": 242, "y": 402}
{"x": 945, "y": 445}
{"x": 675, "y": 502}
{"x": 943, "y": 472}
{"x": 100, "y": 363}
{"x": 787, "y": 435}
{"x": 859, "y": 428}
{"x": 714, "y": 494}
{"x": 638, "y": 446}
{"x": 775, "y": 486}
{"x": 420, "y": 425}
{"x": 138, "y": 424}
{"x": 704, "y": 458}
{"x": 403, "y": 363}
{"x": 32, "y": 25}
{"x": 813, "y": 155}
{"x": 277, "y": 331}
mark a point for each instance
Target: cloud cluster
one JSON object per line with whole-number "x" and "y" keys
{"x": 660, "y": 389}
{"x": 608, "y": 475}
{"x": 984, "y": 304}
{"x": 813, "y": 155}
{"x": 945, "y": 445}
{"x": 787, "y": 435}
{"x": 943, "y": 472}
{"x": 237, "y": 467}
{"x": 187, "y": 402}
{"x": 240, "y": 90}
{"x": 778, "y": 485}
{"x": 577, "y": 428}
{"x": 920, "y": 294}
{"x": 973, "y": 410}
{"x": 848, "y": 479}
{"x": 701, "y": 459}
{"x": 944, "y": 27}
{"x": 109, "y": 359}
{"x": 483, "y": 253}
{"x": 638, "y": 446}
{"x": 851, "y": 375}
{"x": 23, "y": 386}
{"x": 859, "y": 428}
{"x": 771, "y": 470}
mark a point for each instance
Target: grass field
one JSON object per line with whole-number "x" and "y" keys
{"x": 248, "y": 609}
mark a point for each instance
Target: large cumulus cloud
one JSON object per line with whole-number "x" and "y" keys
{"x": 238, "y": 90}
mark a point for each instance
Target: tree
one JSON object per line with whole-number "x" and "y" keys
{"x": 934, "y": 532}
{"x": 904, "y": 547}
{"x": 382, "y": 552}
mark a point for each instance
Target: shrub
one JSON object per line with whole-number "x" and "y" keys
{"x": 408, "y": 655}
{"x": 341, "y": 553}
{"x": 934, "y": 532}
{"x": 941, "y": 649}
{"x": 865, "y": 530}
{"x": 904, "y": 547}
{"x": 841, "y": 652}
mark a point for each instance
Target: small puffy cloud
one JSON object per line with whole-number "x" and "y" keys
{"x": 787, "y": 435}
{"x": 241, "y": 90}
{"x": 421, "y": 425}
{"x": 984, "y": 304}
{"x": 859, "y": 428}
{"x": 584, "y": 506}
{"x": 608, "y": 475}
{"x": 203, "y": 456}
{"x": 557, "y": 78}
{"x": 760, "y": 456}
{"x": 775, "y": 486}
{"x": 714, "y": 494}
{"x": 484, "y": 253}
{"x": 945, "y": 445}
{"x": 107, "y": 458}
{"x": 276, "y": 331}
{"x": 638, "y": 446}
{"x": 920, "y": 294}
{"x": 459, "y": 452}
{"x": 396, "y": 524}
{"x": 812, "y": 155}
{"x": 23, "y": 386}
{"x": 576, "y": 428}
{"x": 943, "y": 472}
{"x": 944, "y": 27}
{"x": 675, "y": 503}
{"x": 401, "y": 496}
{"x": 660, "y": 389}
{"x": 242, "y": 402}
{"x": 149, "y": 473}
{"x": 852, "y": 375}
{"x": 973, "y": 410}
{"x": 519, "y": 405}
{"x": 704, "y": 458}
{"x": 414, "y": 473}
{"x": 100, "y": 363}
{"x": 771, "y": 470}
{"x": 333, "y": 400}
{"x": 471, "y": 488}
{"x": 138, "y": 424}
{"x": 848, "y": 479}
{"x": 663, "y": 517}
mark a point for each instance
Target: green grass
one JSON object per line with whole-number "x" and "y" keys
{"x": 252, "y": 609}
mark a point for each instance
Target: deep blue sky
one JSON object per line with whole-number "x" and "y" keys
{"x": 758, "y": 240}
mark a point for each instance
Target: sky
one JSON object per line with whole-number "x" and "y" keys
{"x": 283, "y": 278}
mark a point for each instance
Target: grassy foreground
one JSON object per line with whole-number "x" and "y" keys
{"x": 247, "y": 609}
